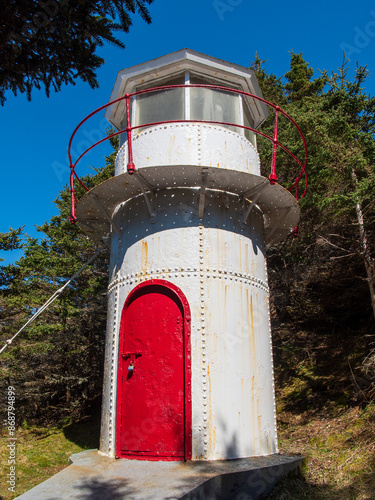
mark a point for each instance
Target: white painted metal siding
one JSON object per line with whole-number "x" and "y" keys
{"x": 219, "y": 265}
{"x": 190, "y": 144}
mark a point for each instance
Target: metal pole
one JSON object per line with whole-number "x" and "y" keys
{"x": 51, "y": 299}
{"x": 131, "y": 166}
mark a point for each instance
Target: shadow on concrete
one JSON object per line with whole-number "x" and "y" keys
{"x": 84, "y": 434}
{"x": 96, "y": 489}
{"x": 239, "y": 485}
{"x": 235, "y": 479}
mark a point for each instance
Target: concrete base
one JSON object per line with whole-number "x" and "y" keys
{"x": 95, "y": 477}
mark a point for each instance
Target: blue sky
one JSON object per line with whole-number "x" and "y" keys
{"x": 35, "y": 135}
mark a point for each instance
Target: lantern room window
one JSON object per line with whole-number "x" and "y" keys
{"x": 161, "y": 105}
{"x": 192, "y": 103}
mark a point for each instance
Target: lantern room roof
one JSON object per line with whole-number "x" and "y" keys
{"x": 161, "y": 71}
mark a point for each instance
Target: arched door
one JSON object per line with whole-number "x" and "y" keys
{"x": 153, "y": 395}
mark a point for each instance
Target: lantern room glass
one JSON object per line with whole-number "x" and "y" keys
{"x": 159, "y": 106}
{"x": 215, "y": 105}
{"x": 192, "y": 103}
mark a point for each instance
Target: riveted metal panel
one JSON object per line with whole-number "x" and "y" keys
{"x": 219, "y": 265}
{"x": 190, "y": 144}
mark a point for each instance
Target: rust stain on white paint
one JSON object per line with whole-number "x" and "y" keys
{"x": 144, "y": 256}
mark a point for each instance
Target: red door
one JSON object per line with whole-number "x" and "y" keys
{"x": 151, "y": 416}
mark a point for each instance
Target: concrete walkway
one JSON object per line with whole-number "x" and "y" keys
{"x": 94, "y": 477}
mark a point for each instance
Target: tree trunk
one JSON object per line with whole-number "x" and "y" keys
{"x": 365, "y": 249}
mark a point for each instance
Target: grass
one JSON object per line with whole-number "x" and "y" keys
{"x": 42, "y": 452}
{"x": 339, "y": 451}
{"x": 321, "y": 417}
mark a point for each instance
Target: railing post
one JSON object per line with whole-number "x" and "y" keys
{"x": 273, "y": 177}
{"x": 73, "y": 218}
{"x": 130, "y": 166}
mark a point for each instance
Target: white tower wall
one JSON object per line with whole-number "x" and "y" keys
{"x": 219, "y": 264}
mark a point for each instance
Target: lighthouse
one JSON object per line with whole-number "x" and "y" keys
{"x": 187, "y": 217}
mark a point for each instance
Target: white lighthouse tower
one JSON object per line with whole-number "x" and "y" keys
{"x": 187, "y": 216}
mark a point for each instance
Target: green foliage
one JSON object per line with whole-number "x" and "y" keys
{"x": 299, "y": 84}
{"x": 337, "y": 119}
{"x": 10, "y": 240}
{"x": 56, "y": 364}
{"x": 327, "y": 263}
{"x": 49, "y": 43}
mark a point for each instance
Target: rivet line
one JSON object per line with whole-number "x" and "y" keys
{"x": 139, "y": 277}
{"x": 202, "y": 274}
{"x": 113, "y": 365}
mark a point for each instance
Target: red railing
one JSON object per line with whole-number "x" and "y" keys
{"x": 128, "y": 130}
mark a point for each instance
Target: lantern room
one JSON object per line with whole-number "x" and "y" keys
{"x": 193, "y": 100}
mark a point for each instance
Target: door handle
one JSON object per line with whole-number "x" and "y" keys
{"x": 133, "y": 356}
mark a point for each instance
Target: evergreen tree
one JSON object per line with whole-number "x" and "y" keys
{"x": 56, "y": 364}
{"x": 53, "y": 42}
{"x": 299, "y": 80}
{"x": 351, "y": 160}
{"x": 337, "y": 118}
